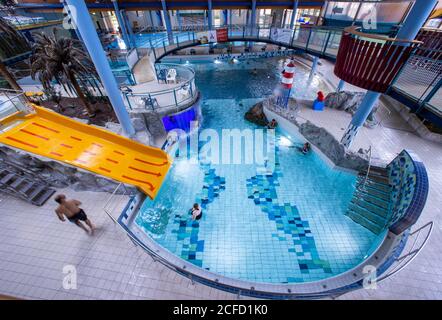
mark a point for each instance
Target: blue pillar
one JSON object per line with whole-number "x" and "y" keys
{"x": 178, "y": 18}
{"x": 225, "y": 17}
{"x": 415, "y": 20}
{"x": 121, "y": 24}
{"x": 295, "y": 9}
{"x": 130, "y": 31}
{"x": 81, "y": 18}
{"x": 359, "y": 117}
{"x": 152, "y": 23}
{"x": 167, "y": 19}
{"x": 209, "y": 11}
{"x": 230, "y": 17}
{"x": 253, "y": 22}
{"x": 340, "y": 86}
{"x": 159, "y": 18}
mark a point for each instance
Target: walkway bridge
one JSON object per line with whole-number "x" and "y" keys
{"x": 413, "y": 78}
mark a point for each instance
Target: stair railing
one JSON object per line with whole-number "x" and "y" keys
{"x": 369, "y": 166}
{"x": 411, "y": 253}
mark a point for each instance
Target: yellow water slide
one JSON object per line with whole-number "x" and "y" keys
{"x": 54, "y": 136}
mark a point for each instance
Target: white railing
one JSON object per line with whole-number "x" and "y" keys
{"x": 411, "y": 253}
{"x": 183, "y": 94}
{"x": 369, "y": 166}
{"x": 12, "y": 101}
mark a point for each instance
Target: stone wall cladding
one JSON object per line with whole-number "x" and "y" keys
{"x": 55, "y": 174}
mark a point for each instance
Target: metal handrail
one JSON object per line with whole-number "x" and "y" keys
{"x": 369, "y": 167}
{"x": 354, "y": 31}
{"x": 190, "y": 83}
{"x": 411, "y": 253}
{"x": 157, "y": 258}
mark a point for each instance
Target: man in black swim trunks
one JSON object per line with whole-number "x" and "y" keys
{"x": 71, "y": 210}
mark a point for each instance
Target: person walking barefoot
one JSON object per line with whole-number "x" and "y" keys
{"x": 72, "y": 211}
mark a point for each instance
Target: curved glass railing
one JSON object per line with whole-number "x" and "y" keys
{"x": 183, "y": 94}
{"x": 314, "y": 39}
{"x": 422, "y": 87}
{"x": 397, "y": 255}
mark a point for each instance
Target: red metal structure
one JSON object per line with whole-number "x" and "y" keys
{"x": 370, "y": 61}
{"x": 432, "y": 43}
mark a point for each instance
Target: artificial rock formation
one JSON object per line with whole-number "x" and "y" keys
{"x": 256, "y": 115}
{"x": 349, "y": 102}
{"x": 334, "y": 150}
{"x": 320, "y": 137}
{"x": 55, "y": 174}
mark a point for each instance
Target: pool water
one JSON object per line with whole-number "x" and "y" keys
{"x": 160, "y": 39}
{"x": 284, "y": 227}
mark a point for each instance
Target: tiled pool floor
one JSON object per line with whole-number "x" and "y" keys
{"x": 35, "y": 245}
{"x": 280, "y": 228}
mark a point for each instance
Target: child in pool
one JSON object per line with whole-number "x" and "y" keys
{"x": 306, "y": 148}
{"x": 196, "y": 212}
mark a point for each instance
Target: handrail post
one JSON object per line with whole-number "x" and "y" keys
{"x": 326, "y": 42}
{"x": 308, "y": 39}
{"x": 174, "y": 96}
{"x": 191, "y": 90}
{"x": 368, "y": 169}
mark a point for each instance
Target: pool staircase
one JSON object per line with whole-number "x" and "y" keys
{"x": 369, "y": 206}
{"x": 25, "y": 187}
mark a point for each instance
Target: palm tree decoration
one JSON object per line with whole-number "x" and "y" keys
{"x": 63, "y": 60}
{"x": 12, "y": 43}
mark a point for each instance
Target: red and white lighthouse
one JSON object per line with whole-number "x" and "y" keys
{"x": 286, "y": 84}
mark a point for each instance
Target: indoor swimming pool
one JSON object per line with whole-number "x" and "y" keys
{"x": 285, "y": 227}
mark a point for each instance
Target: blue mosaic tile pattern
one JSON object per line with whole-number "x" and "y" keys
{"x": 236, "y": 238}
{"x": 409, "y": 181}
{"x": 188, "y": 229}
{"x": 262, "y": 189}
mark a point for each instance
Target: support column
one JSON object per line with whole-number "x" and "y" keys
{"x": 415, "y": 20}
{"x": 247, "y": 17}
{"x": 359, "y": 117}
{"x": 295, "y": 11}
{"x": 253, "y": 17}
{"x": 209, "y": 15}
{"x": 159, "y": 18}
{"x": 151, "y": 22}
{"x": 283, "y": 19}
{"x": 178, "y": 18}
{"x": 225, "y": 17}
{"x": 167, "y": 20}
{"x": 230, "y": 17}
{"x": 130, "y": 31}
{"x": 340, "y": 86}
{"x": 121, "y": 24}
{"x": 80, "y": 16}
{"x": 314, "y": 66}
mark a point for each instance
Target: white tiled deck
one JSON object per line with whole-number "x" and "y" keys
{"x": 35, "y": 245}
